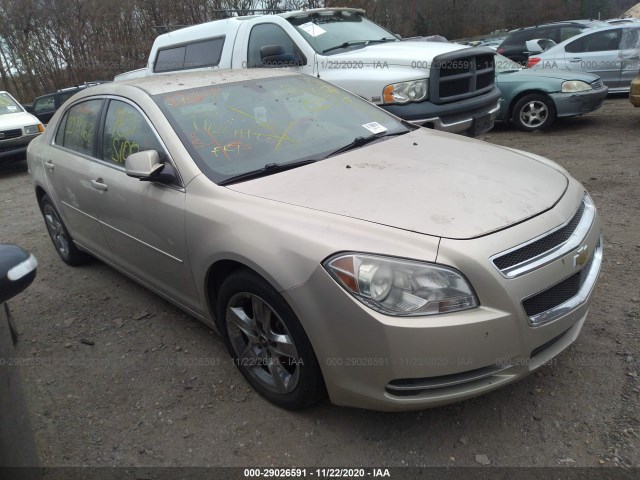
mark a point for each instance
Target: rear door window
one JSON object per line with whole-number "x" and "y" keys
{"x": 80, "y": 127}
{"x": 45, "y": 104}
{"x": 608, "y": 40}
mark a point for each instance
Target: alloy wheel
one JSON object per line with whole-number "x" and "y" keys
{"x": 56, "y": 230}
{"x": 262, "y": 343}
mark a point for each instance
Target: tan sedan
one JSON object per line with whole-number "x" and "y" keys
{"x": 634, "y": 92}
{"x": 335, "y": 247}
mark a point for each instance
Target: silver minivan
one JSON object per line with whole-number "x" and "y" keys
{"x": 612, "y": 53}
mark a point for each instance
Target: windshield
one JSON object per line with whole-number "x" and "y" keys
{"x": 8, "y": 104}
{"x": 503, "y": 64}
{"x": 240, "y": 127}
{"x": 326, "y": 30}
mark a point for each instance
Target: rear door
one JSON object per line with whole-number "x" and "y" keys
{"x": 73, "y": 177}
{"x": 598, "y": 53}
{"x": 630, "y": 56}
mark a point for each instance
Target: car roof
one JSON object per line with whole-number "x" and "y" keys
{"x": 581, "y": 23}
{"x": 626, "y": 26}
{"x": 177, "y": 81}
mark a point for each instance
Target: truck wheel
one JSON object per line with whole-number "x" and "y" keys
{"x": 533, "y": 112}
{"x": 60, "y": 237}
{"x": 267, "y": 342}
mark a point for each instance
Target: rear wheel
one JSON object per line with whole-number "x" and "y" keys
{"x": 533, "y": 112}
{"x": 59, "y": 234}
{"x": 267, "y": 342}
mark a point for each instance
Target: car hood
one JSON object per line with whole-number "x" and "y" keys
{"x": 17, "y": 120}
{"x": 425, "y": 181}
{"x": 401, "y": 53}
{"x": 555, "y": 74}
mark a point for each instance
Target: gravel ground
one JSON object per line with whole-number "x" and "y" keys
{"x": 116, "y": 376}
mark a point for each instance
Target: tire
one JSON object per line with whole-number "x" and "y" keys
{"x": 267, "y": 342}
{"x": 62, "y": 241}
{"x": 533, "y": 112}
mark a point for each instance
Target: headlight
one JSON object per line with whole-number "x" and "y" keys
{"x": 33, "y": 129}
{"x": 575, "y": 86}
{"x": 405, "y": 92}
{"x": 400, "y": 287}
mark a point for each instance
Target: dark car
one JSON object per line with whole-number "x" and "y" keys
{"x": 45, "y": 106}
{"x": 514, "y": 46}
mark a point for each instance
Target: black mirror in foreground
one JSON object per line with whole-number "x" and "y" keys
{"x": 18, "y": 450}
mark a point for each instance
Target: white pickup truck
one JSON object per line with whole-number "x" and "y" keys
{"x": 439, "y": 85}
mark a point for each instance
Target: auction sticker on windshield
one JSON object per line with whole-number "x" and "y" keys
{"x": 312, "y": 29}
{"x": 374, "y": 127}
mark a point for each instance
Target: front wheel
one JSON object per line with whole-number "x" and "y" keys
{"x": 533, "y": 112}
{"x": 267, "y": 342}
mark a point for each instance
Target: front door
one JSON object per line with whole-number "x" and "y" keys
{"x": 597, "y": 53}
{"x": 142, "y": 221}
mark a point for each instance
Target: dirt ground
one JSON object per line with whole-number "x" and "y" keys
{"x": 116, "y": 376}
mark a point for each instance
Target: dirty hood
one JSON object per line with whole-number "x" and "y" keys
{"x": 17, "y": 120}
{"x": 424, "y": 181}
{"x": 401, "y": 53}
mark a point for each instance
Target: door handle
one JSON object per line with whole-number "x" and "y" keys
{"x": 575, "y": 60}
{"x": 98, "y": 185}
{"x": 48, "y": 165}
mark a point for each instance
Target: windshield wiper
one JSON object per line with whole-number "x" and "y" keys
{"x": 360, "y": 141}
{"x": 358, "y": 42}
{"x": 268, "y": 169}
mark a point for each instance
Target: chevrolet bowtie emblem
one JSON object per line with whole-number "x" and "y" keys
{"x": 581, "y": 256}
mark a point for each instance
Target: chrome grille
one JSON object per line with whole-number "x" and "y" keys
{"x": 540, "y": 246}
{"x": 461, "y": 74}
{"x": 7, "y": 134}
{"x": 549, "y": 246}
{"x": 558, "y": 294}
{"x": 597, "y": 84}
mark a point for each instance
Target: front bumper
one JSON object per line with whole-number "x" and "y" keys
{"x": 387, "y": 363}
{"x": 579, "y": 103}
{"x": 455, "y": 117}
{"x": 15, "y": 147}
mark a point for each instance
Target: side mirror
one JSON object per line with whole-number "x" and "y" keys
{"x": 28, "y": 107}
{"x": 274, "y": 56}
{"x": 143, "y": 165}
{"x": 17, "y": 271}
{"x": 539, "y": 45}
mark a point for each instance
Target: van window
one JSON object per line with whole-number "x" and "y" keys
{"x": 200, "y": 54}
{"x": 596, "y": 42}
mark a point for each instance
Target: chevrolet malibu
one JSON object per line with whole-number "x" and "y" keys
{"x": 337, "y": 249}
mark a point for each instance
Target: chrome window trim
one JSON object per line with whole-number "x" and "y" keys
{"x": 574, "y": 302}
{"x": 573, "y": 242}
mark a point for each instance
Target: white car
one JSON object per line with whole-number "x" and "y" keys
{"x": 17, "y": 128}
